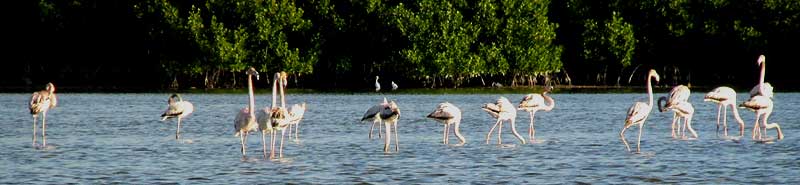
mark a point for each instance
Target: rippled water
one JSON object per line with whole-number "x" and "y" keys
{"x": 108, "y": 138}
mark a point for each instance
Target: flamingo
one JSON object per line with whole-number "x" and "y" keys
{"x": 678, "y": 94}
{"x": 639, "y": 112}
{"x": 682, "y": 109}
{"x": 390, "y": 115}
{"x": 177, "y": 108}
{"x": 762, "y": 88}
{"x": 448, "y": 114}
{"x": 724, "y": 97}
{"x": 372, "y": 114}
{"x": 377, "y": 84}
{"x": 41, "y": 102}
{"x": 394, "y": 86}
{"x": 279, "y": 115}
{"x": 761, "y": 103}
{"x": 246, "y": 119}
{"x": 762, "y": 106}
{"x": 296, "y": 111}
{"x": 535, "y": 102}
{"x": 502, "y": 110}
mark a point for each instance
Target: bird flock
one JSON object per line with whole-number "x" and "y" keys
{"x": 386, "y": 114}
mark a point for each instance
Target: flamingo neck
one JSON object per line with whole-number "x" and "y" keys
{"x": 283, "y": 96}
{"x": 274, "y": 92}
{"x": 763, "y": 72}
{"x": 252, "y": 102}
{"x": 650, "y": 90}
{"x": 550, "y": 102}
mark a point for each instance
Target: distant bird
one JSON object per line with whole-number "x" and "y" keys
{"x": 246, "y": 119}
{"x": 373, "y": 115}
{"x": 502, "y": 110}
{"x": 394, "y": 86}
{"x": 762, "y": 88}
{"x": 639, "y": 112}
{"x": 448, "y": 114}
{"x": 377, "y": 84}
{"x": 41, "y": 102}
{"x": 678, "y": 94}
{"x": 724, "y": 97}
{"x": 762, "y": 106}
{"x": 389, "y": 115}
{"x": 536, "y": 102}
{"x": 177, "y": 108}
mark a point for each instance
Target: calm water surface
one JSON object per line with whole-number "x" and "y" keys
{"x": 109, "y": 138}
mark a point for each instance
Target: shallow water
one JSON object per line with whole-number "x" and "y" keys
{"x": 110, "y": 138}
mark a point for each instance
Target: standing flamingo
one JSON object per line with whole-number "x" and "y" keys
{"x": 762, "y": 88}
{"x": 639, "y": 112}
{"x": 678, "y": 94}
{"x": 724, "y": 97}
{"x": 448, "y": 114}
{"x": 296, "y": 113}
{"x": 246, "y": 119}
{"x": 535, "y": 102}
{"x": 761, "y": 103}
{"x": 279, "y": 115}
{"x": 177, "y": 108}
{"x": 682, "y": 109}
{"x": 41, "y": 102}
{"x": 372, "y": 114}
{"x": 502, "y": 110}
{"x": 389, "y": 115}
{"x": 377, "y": 84}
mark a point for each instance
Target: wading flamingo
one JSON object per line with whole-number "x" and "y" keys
{"x": 177, "y": 108}
{"x": 390, "y": 115}
{"x": 372, "y": 114}
{"x": 762, "y": 88}
{"x": 639, "y": 112}
{"x": 684, "y": 110}
{"x": 448, "y": 114}
{"x": 536, "y": 102}
{"x": 246, "y": 119}
{"x": 41, "y": 102}
{"x": 678, "y": 94}
{"x": 761, "y": 103}
{"x": 502, "y": 110}
{"x": 725, "y": 97}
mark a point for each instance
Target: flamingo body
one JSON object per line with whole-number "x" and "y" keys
{"x": 448, "y": 114}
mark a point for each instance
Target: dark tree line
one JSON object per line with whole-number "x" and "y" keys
{"x": 160, "y": 44}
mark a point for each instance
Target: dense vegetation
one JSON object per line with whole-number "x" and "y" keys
{"x": 420, "y": 43}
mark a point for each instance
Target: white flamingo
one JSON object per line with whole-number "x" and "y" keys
{"x": 503, "y": 110}
{"x": 762, "y": 106}
{"x": 677, "y": 95}
{"x": 725, "y": 97}
{"x": 279, "y": 116}
{"x": 246, "y": 119}
{"x": 536, "y": 102}
{"x": 296, "y": 111}
{"x": 177, "y": 108}
{"x": 448, "y": 114}
{"x": 762, "y": 88}
{"x": 684, "y": 110}
{"x": 390, "y": 115}
{"x": 41, "y": 102}
{"x": 377, "y": 84}
{"x": 639, "y": 112}
{"x": 373, "y": 115}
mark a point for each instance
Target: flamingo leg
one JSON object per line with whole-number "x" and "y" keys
{"x": 458, "y": 132}
{"x": 241, "y": 138}
{"x": 444, "y": 136}
{"x": 396, "y": 140}
{"x": 725, "y": 120}
{"x": 719, "y": 111}
{"x": 688, "y": 122}
{"x": 379, "y": 129}
{"x": 738, "y": 119}
{"x": 499, "y": 133}
{"x": 34, "y": 131}
{"x": 264, "y": 142}
{"x": 514, "y": 130}
{"x": 756, "y": 128}
{"x": 622, "y": 137}
{"x": 44, "y": 129}
{"x": 532, "y": 130}
{"x": 639, "y": 140}
{"x": 178, "y": 131}
{"x": 371, "y": 128}
{"x": 674, "y": 124}
{"x": 488, "y": 136}
{"x": 297, "y": 131}
{"x": 272, "y": 145}
{"x": 387, "y": 140}
{"x": 280, "y": 151}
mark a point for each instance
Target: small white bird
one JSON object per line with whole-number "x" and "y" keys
{"x": 394, "y": 86}
{"x": 377, "y": 84}
{"x": 177, "y": 108}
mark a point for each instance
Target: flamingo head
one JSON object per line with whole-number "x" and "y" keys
{"x": 252, "y": 71}
{"x": 50, "y": 88}
{"x": 283, "y": 77}
{"x": 653, "y": 74}
{"x": 761, "y": 59}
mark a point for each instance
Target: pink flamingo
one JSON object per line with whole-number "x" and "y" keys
{"x": 246, "y": 119}
{"x": 502, "y": 110}
{"x": 390, "y": 115}
{"x": 639, "y": 112}
{"x": 677, "y": 95}
{"x": 177, "y": 108}
{"x": 535, "y": 102}
{"x": 41, "y": 102}
{"x": 448, "y": 114}
{"x": 372, "y": 114}
{"x": 725, "y": 97}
